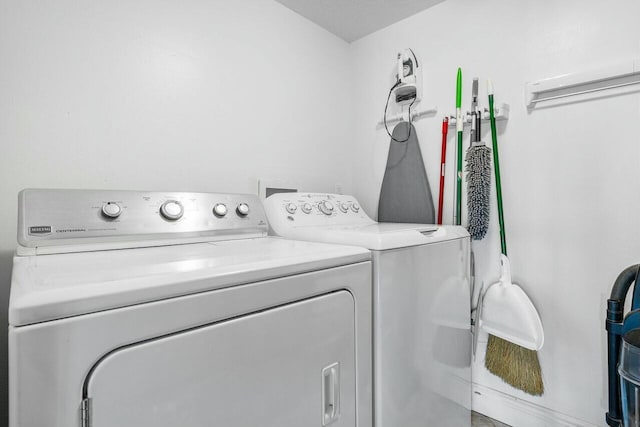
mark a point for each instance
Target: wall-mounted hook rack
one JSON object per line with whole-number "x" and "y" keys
{"x": 500, "y": 111}
{"x": 415, "y": 116}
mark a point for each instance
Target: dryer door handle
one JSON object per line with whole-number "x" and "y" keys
{"x": 330, "y": 393}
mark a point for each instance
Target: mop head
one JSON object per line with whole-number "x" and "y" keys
{"x": 515, "y": 365}
{"x": 478, "y": 170}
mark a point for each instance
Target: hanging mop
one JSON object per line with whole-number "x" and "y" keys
{"x": 478, "y": 170}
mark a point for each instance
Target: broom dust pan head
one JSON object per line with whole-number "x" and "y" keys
{"x": 508, "y": 313}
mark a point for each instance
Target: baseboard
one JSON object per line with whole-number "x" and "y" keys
{"x": 517, "y": 412}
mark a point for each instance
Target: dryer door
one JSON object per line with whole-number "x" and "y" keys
{"x": 288, "y": 366}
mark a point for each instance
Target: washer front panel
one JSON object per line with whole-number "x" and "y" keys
{"x": 422, "y": 335}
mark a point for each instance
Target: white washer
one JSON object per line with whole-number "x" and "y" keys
{"x": 141, "y": 309}
{"x": 421, "y": 296}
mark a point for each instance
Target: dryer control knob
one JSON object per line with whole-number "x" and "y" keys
{"x": 172, "y": 210}
{"x": 111, "y": 210}
{"x": 355, "y": 207}
{"x": 291, "y": 208}
{"x": 220, "y": 210}
{"x": 326, "y": 207}
{"x": 242, "y": 209}
{"x": 307, "y": 208}
{"x": 343, "y": 207}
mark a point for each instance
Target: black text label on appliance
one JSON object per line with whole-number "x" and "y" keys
{"x": 40, "y": 229}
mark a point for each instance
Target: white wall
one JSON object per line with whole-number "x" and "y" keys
{"x": 210, "y": 95}
{"x": 569, "y": 173}
{"x": 156, "y": 95}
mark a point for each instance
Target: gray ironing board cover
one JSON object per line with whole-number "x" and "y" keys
{"x": 405, "y": 195}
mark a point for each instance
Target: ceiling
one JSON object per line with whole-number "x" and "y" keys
{"x": 352, "y": 19}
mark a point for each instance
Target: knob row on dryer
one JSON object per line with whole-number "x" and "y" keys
{"x": 173, "y": 210}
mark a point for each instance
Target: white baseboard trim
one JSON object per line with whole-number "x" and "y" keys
{"x": 517, "y": 412}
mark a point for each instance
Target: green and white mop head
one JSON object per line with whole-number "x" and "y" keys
{"x": 479, "y": 173}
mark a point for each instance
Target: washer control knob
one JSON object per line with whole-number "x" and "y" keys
{"x": 326, "y": 207}
{"x": 291, "y": 208}
{"x": 172, "y": 210}
{"x": 242, "y": 209}
{"x": 111, "y": 210}
{"x": 355, "y": 207}
{"x": 307, "y": 208}
{"x": 343, "y": 207}
{"x": 220, "y": 210}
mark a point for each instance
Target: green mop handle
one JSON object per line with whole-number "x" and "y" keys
{"x": 460, "y": 130}
{"x": 496, "y": 166}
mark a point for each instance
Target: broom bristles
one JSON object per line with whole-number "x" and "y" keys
{"x": 515, "y": 365}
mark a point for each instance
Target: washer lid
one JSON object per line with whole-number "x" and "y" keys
{"x": 50, "y": 287}
{"x": 379, "y": 236}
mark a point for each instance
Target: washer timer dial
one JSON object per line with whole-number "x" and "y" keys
{"x": 326, "y": 207}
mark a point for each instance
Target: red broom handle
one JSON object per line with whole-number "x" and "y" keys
{"x": 445, "y": 130}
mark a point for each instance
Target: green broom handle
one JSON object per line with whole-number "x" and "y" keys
{"x": 496, "y": 166}
{"x": 459, "y": 182}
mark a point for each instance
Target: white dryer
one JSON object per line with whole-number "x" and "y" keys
{"x": 421, "y": 297}
{"x": 145, "y": 309}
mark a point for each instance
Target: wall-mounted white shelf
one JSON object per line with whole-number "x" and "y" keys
{"x": 415, "y": 116}
{"x": 500, "y": 111}
{"x": 612, "y": 76}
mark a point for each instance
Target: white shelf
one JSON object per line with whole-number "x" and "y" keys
{"x": 612, "y": 76}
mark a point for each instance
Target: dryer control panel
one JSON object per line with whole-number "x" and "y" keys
{"x": 315, "y": 209}
{"x": 53, "y": 221}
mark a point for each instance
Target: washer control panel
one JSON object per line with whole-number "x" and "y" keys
{"x": 314, "y": 209}
{"x": 48, "y": 218}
